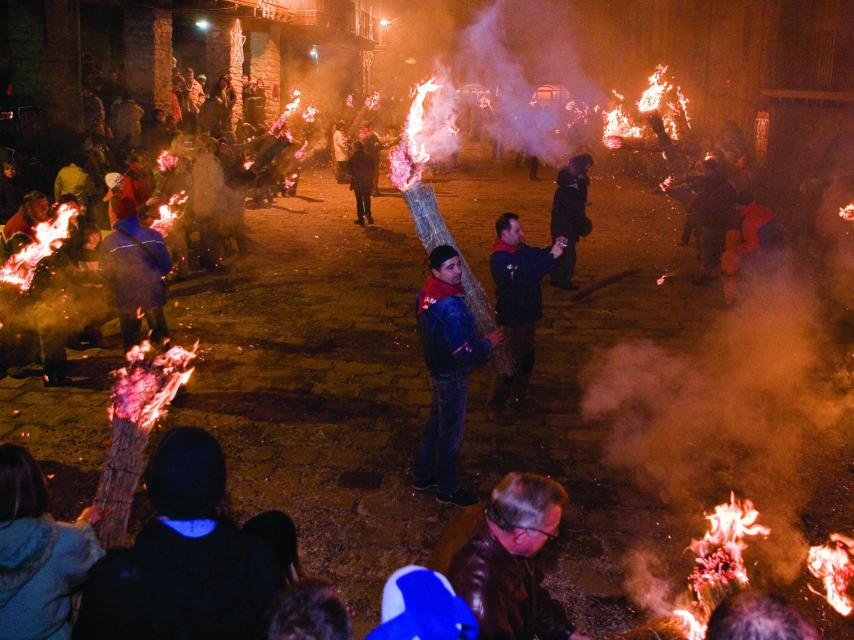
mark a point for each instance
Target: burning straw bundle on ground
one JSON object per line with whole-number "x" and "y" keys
{"x": 140, "y": 397}
{"x": 407, "y": 163}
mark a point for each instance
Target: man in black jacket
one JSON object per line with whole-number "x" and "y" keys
{"x": 361, "y": 169}
{"x": 517, "y": 270}
{"x": 714, "y": 209}
{"x": 568, "y": 216}
{"x": 188, "y": 575}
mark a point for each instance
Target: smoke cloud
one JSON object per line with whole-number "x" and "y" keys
{"x": 742, "y": 413}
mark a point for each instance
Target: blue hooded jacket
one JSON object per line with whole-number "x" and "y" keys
{"x": 449, "y": 337}
{"x": 134, "y": 275}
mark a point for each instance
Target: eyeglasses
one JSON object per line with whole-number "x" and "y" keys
{"x": 550, "y": 536}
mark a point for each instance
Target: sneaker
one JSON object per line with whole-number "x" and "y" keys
{"x": 425, "y": 485}
{"x": 459, "y": 498}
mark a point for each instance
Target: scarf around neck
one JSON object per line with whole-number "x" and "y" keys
{"x": 435, "y": 290}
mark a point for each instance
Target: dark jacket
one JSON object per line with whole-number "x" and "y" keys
{"x": 517, "y": 284}
{"x": 11, "y": 196}
{"x": 361, "y": 170}
{"x": 449, "y": 338}
{"x": 714, "y": 203}
{"x": 568, "y": 207}
{"x": 134, "y": 275}
{"x": 167, "y": 586}
{"x": 504, "y": 592}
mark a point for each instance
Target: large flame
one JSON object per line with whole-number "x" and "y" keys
{"x": 145, "y": 388}
{"x": 832, "y": 564}
{"x": 658, "y": 88}
{"x": 309, "y": 113}
{"x": 407, "y": 159}
{"x": 20, "y": 269}
{"x": 618, "y": 125}
{"x": 691, "y": 627}
{"x": 847, "y": 212}
{"x": 280, "y": 127}
{"x": 170, "y": 212}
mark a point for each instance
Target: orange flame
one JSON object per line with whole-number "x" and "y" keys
{"x": 691, "y": 627}
{"x": 349, "y": 101}
{"x": 658, "y": 87}
{"x": 372, "y": 102}
{"x": 407, "y": 159}
{"x": 847, "y": 212}
{"x": 20, "y": 269}
{"x": 618, "y": 125}
{"x": 299, "y": 154}
{"x": 279, "y": 127}
{"x": 144, "y": 389}
{"x": 832, "y": 564}
{"x": 169, "y": 213}
{"x": 166, "y": 161}
{"x": 310, "y": 113}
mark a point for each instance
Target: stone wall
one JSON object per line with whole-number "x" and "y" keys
{"x": 265, "y": 64}
{"x": 220, "y": 56}
{"x": 148, "y": 56}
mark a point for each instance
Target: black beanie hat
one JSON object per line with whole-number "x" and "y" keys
{"x": 440, "y": 254}
{"x": 186, "y": 476}
{"x": 278, "y": 531}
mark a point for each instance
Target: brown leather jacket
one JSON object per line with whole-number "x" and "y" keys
{"x": 504, "y": 592}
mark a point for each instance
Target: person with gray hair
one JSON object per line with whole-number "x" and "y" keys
{"x": 495, "y": 571}
{"x": 753, "y": 615}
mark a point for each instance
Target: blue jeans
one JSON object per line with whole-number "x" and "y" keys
{"x": 443, "y": 434}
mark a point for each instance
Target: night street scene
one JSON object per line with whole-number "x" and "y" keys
{"x": 427, "y": 320}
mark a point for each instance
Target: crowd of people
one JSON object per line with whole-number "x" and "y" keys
{"x": 191, "y": 572}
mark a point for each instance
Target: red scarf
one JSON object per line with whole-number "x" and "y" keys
{"x": 435, "y": 290}
{"x": 500, "y": 245}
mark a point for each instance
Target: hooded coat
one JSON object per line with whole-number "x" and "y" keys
{"x": 41, "y": 561}
{"x": 216, "y": 587}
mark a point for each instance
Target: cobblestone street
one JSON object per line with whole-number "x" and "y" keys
{"x": 313, "y": 379}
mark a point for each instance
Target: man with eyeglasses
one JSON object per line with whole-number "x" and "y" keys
{"x": 495, "y": 571}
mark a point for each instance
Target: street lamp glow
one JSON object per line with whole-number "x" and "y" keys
{"x": 385, "y": 22}
{"x": 313, "y": 53}
{"x": 202, "y": 24}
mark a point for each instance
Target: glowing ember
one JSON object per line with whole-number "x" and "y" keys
{"x": 20, "y": 269}
{"x": 832, "y": 564}
{"x": 484, "y": 102}
{"x": 290, "y": 181}
{"x": 349, "y": 101}
{"x": 145, "y": 388}
{"x": 170, "y": 212}
{"x": 310, "y": 113}
{"x": 665, "y": 184}
{"x": 372, "y": 102}
{"x": 663, "y": 278}
{"x": 691, "y": 627}
{"x": 299, "y": 154}
{"x": 658, "y": 87}
{"x": 166, "y": 161}
{"x": 279, "y": 127}
{"x": 248, "y": 165}
{"x": 847, "y": 213}
{"x": 407, "y": 159}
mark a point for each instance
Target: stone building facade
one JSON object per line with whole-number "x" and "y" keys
{"x": 49, "y": 46}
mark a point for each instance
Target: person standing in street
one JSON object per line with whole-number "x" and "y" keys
{"x": 340, "y": 152}
{"x": 361, "y": 168}
{"x": 451, "y": 349}
{"x": 569, "y": 219}
{"x": 517, "y": 270}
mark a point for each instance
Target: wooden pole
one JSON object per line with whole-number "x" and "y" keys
{"x": 124, "y": 467}
{"x": 432, "y": 231}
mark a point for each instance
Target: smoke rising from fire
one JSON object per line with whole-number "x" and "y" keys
{"x": 496, "y": 52}
{"x": 744, "y": 412}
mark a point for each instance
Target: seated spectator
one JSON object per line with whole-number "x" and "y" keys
{"x": 189, "y": 574}
{"x": 495, "y": 571}
{"x": 752, "y": 615}
{"x": 41, "y": 561}
{"x": 419, "y": 603}
{"x": 279, "y": 533}
{"x": 309, "y": 610}
{"x": 11, "y": 193}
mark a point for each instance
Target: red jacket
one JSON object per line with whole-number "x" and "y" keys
{"x": 755, "y": 216}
